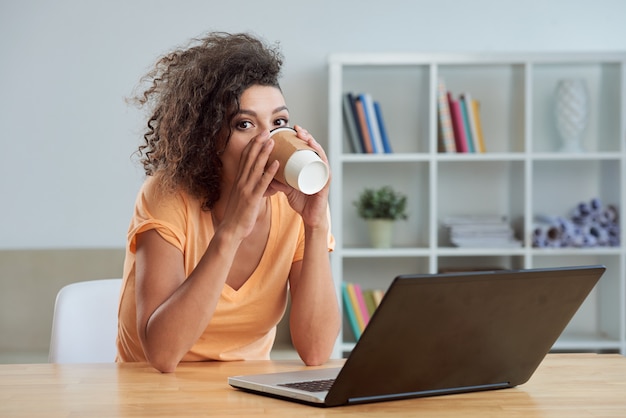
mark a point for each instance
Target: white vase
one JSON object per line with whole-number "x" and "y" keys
{"x": 572, "y": 113}
{"x": 380, "y": 232}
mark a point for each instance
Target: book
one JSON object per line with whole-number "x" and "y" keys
{"x": 351, "y": 120}
{"x": 355, "y": 307}
{"x": 372, "y": 122}
{"x": 382, "y": 129}
{"x": 457, "y": 124}
{"x": 478, "y": 125}
{"x": 446, "y": 133}
{"x": 378, "y": 294}
{"x": 362, "y": 306}
{"x": 348, "y": 308}
{"x": 466, "y": 123}
{"x": 372, "y": 299}
{"x": 471, "y": 121}
{"x": 483, "y": 232}
{"x": 480, "y": 231}
{"x": 486, "y": 243}
{"x": 473, "y": 219}
{"x": 370, "y": 302}
{"x": 367, "y": 141}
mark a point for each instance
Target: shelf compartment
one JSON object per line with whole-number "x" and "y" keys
{"x": 480, "y": 188}
{"x": 407, "y": 177}
{"x": 604, "y": 88}
{"x": 553, "y": 194}
{"x": 377, "y": 273}
{"x": 406, "y": 116}
{"x": 492, "y": 85}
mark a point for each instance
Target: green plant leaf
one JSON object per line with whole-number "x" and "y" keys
{"x": 382, "y": 203}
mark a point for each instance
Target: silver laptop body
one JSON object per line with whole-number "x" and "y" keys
{"x": 446, "y": 333}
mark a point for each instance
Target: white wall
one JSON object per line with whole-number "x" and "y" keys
{"x": 66, "y": 134}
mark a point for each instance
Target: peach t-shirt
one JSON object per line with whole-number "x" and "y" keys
{"x": 244, "y": 323}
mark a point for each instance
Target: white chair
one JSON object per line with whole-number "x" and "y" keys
{"x": 84, "y": 325}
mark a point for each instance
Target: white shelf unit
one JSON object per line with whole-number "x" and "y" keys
{"x": 521, "y": 175}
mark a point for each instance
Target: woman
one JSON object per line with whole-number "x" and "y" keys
{"x": 215, "y": 243}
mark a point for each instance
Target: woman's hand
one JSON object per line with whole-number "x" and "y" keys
{"x": 250, "y": 185}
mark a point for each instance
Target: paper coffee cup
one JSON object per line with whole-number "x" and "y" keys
{"x": 300, "y": 166}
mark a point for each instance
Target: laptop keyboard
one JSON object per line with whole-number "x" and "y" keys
{"x": 311, "y": 385}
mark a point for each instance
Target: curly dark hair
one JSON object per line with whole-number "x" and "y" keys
{"x": 193, "y": 93}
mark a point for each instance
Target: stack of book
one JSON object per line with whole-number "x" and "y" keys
{"x": 480, "y": 231}
{"x": 364, "y": 122}
{"x": 460, "y": 127}
{"x": 359, "y": 305}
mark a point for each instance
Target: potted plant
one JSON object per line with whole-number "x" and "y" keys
{"x": 381, "y": 208}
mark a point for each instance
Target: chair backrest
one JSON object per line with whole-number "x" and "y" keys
{"x": 84, "y": 325}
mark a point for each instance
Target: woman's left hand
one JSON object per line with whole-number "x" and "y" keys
{"x": 312, "y": 208}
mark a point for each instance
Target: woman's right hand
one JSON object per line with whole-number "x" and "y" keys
{"x": 250, "y": 185}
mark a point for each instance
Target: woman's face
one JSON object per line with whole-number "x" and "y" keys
{"x": 262, "y": 108}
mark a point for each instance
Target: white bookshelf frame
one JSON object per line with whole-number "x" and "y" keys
{"x": 604, "y": 320}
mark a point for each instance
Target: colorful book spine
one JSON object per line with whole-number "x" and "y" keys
{"x": 351, "y": 123}
{"x": 446, "y": 132}
{"x": 348, "y": 308}
{"x": 473, "y": 119}
{"x": 457, "y": 124}
{"x": 367, "y": 141}
{"x": 355, "y": 307}
{"x": 368, "y": 295}
{"x": 364, "y": 313}
{"x": 372, "y": 123}
{"x": 381, "y": 127}
{"x": 378, "y": 296}
{"x": 478, "y": 125}
{"x": 466, "y": 123}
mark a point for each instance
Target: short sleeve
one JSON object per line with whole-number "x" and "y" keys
{"x": 164, "y": 212}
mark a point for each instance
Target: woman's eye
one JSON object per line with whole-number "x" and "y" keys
{"x": 244, "y": 124}
{"x": 281, "y": 122}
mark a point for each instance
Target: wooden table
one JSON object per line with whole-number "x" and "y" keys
{"x": 565, "y": 385}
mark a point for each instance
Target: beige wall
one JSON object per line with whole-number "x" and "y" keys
{"x": 29, "y": 282}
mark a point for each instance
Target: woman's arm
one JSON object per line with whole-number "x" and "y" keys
{"x": 315, "y": 318}
{"x": 174, "y": 310}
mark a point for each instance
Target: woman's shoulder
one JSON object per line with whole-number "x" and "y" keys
{"x": 152, "y": 187}
{"x": 154, "y": 195}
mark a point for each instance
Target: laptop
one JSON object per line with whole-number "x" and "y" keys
{"x": 440, "y": 334}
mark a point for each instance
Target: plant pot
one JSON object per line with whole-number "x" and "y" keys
{"x": 380, "y": 232}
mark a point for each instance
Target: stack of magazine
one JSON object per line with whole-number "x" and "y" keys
{"x": 480, "y": 231}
